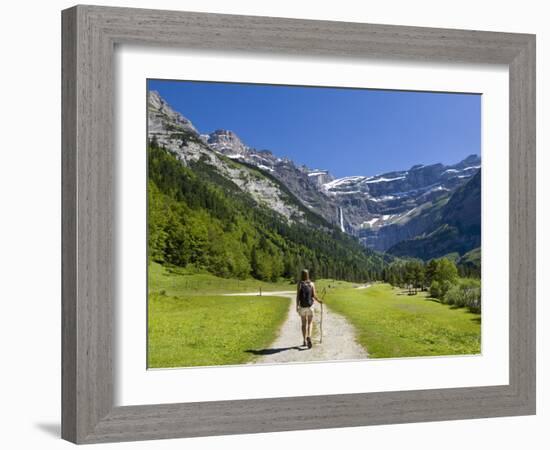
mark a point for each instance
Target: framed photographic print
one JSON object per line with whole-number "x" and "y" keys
{"x": 236, "y": 234}
{"x": 268, "y": 222}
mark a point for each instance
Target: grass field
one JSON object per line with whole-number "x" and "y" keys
{"x": 210, "y": 330}
{"x": 174, "y": 281}
{"x": 391, "y": 324}
{"x": 189, "y": 325}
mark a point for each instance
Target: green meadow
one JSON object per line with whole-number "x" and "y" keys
{"x": 392, "y": 324}
{"x": 211, "y": 330}
{"x": 176, "y": 281}
{"x": 191, "y": 324}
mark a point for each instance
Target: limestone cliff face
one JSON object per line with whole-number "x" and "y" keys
{"x": 176, "y": 133}
{"x": 381, "y": 210}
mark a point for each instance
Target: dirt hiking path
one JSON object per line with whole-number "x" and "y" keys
{"x": 338, "y": 337}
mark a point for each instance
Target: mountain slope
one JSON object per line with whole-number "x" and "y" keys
{"x": 362, "y": 206}
{"x": 469, "y": 264}
{"x": 198, "y": 217}
{"x": 304, "y": 183}
{"x": 455, "y": 226}
{"x": 170, "y": 130}
{"x": 234, "y": 219}
{"x": 376, "y": 208}
{"x": 381, "y": 210}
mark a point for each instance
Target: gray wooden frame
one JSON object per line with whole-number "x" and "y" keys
{"x": 89, "y": 36}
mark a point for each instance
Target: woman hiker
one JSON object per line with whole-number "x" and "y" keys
{"x": 305, "y": 298}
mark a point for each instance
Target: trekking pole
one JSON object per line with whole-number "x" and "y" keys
{"x": 323, "y": 293}
{"x": 321, "y": 327}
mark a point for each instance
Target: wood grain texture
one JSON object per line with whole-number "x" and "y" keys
{"x": 68, "y": 227}
{"x": 522, "y": 282}
{"x": 90, "y": 34}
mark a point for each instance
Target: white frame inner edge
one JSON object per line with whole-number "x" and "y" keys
{"x": 134, "y": 385}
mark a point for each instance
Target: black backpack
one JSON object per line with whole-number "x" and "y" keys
{"x": 305, "y": 294}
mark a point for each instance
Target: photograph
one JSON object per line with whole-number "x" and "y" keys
{"x": 300, "y": 224}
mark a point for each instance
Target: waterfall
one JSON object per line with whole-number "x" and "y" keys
{"x": 341, "y": 219}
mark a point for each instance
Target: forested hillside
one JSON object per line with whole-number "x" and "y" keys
{"x": 197, "y": 217}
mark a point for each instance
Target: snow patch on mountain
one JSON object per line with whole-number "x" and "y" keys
{"x": 365, "y": 206}
{"x": 384, "y": 180}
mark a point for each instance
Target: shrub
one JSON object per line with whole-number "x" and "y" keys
{"x": 453, "y": 296}
{"x": 435, "y": 290}
{"x": 475, "y": 307}
{"x": 465, "y": 293}
{"x": 440, "y": 289}
{"x": 474, "y": 300}
{"x": 445, "y": 286}
{"x": 469, "y": 283}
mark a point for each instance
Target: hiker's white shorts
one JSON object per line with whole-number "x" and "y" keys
{"x": 306, "y": 312}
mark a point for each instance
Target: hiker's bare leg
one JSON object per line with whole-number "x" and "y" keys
{"x": 309, "y": 325}
{"x": 304, "y": 328}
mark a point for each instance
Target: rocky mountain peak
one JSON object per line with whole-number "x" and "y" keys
{"x": 469, "y": 161}
{"x": 319, "y": 177}
{"x": 162, "y": 116}
{"x": 227, "y": 143}
{"x": 380, "y": 210}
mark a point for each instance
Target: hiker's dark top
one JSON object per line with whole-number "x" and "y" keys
{"x": 305, "y": 294}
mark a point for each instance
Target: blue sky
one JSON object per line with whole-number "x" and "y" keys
{"x": 347, "y": 131}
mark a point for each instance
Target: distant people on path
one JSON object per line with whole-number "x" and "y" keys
{"x": 305, "y": 299}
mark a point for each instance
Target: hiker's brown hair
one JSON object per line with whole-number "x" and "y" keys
{"x": 305, "y": 275}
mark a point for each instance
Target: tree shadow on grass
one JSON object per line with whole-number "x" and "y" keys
{"x": 409, "y": 294}
{"x": 272, "y": 351}
{"x": 477, "y": 320}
